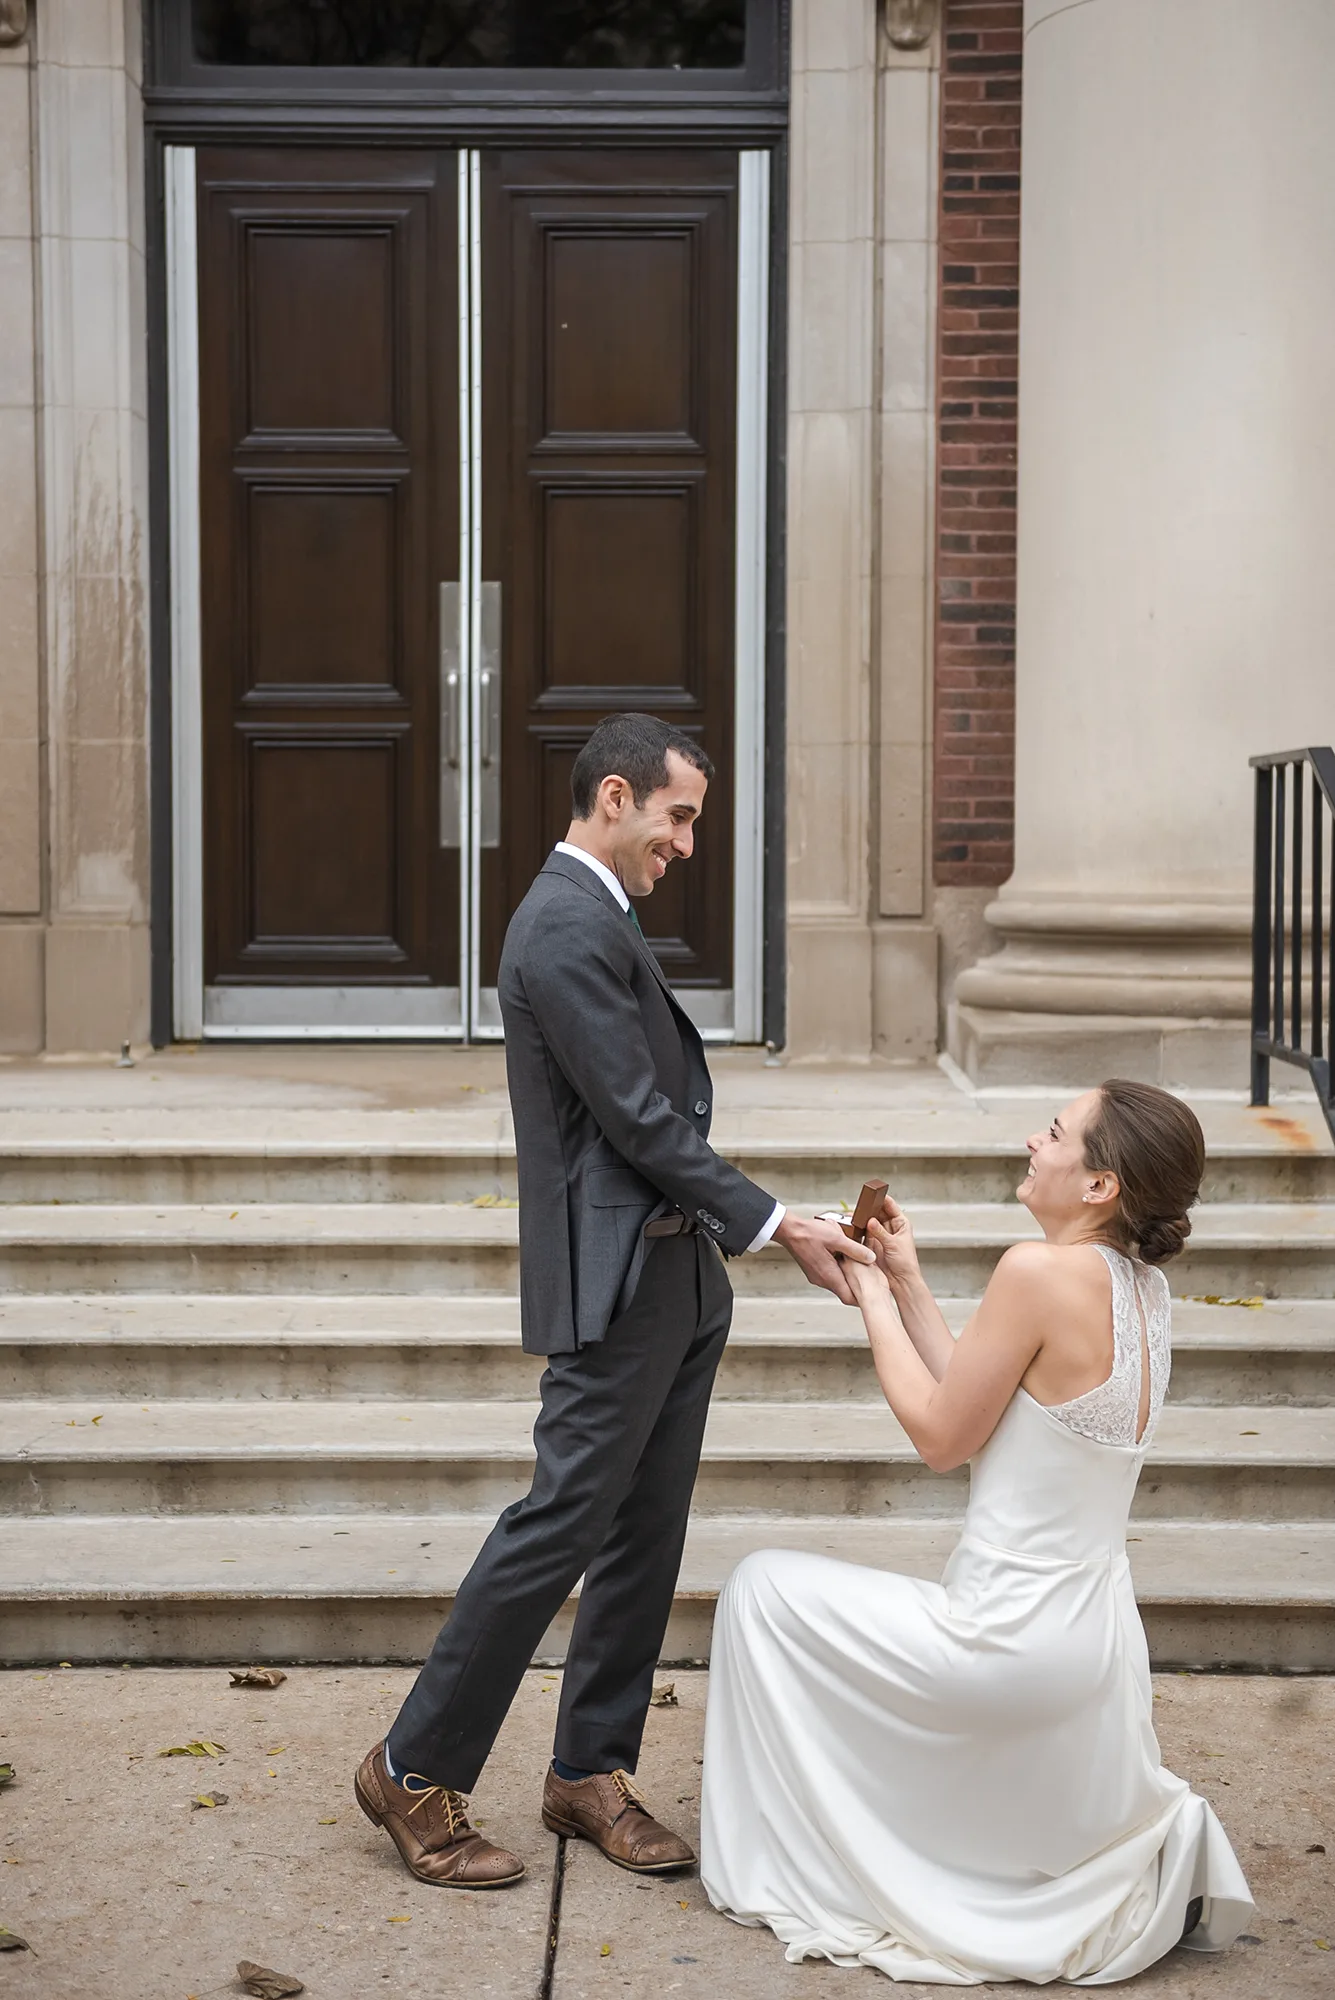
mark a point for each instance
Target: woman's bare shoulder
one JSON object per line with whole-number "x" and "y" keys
{"x": 1059, "y": 1272}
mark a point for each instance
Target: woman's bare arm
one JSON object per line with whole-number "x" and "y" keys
{"x": 949, "y": 1419}
{"x": 897, "y": 1255}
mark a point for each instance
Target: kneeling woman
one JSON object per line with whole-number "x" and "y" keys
{"x": 960, "y": 1782}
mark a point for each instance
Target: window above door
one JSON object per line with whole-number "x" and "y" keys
{"x": 457, "y": 52}
{"x": 471, "y": 34}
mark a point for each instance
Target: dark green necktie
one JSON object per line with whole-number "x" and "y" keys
{"x": 631, "y": 913}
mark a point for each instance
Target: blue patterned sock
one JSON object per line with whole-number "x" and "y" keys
{"x": 568, "y": 1772}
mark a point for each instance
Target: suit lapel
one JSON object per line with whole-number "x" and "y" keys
{"x": 584, "y": 878}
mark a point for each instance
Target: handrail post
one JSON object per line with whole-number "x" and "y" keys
{"x": 1264, "y": 838}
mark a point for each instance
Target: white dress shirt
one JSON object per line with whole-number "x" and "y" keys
{"x": 609, "y": 882}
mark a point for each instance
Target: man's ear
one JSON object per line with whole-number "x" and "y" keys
{"x": 613, "y": 795}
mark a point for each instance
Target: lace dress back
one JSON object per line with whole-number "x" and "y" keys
{"x": 1141, "y": 1318}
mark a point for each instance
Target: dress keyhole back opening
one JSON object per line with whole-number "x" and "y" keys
{"x": 1146, "y": 1399}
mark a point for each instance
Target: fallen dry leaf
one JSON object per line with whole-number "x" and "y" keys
{"x": 266, "y": 1984}
{"x": 1214, "y": 1299}
{"x": 197, "y": 1748}
{"x": 7, "y": 1775}
{"x": 328, "y": 1822}
{"x": 1316, "y": 1848}
{"x": 257, "y": 1677}
{"x": 208, "y": 1799}
{"x": 665, "y": 1697}
{"x": 11, "y": 1941}
{"x": 493, "y": 1201}
{"x": 606, "y": 1951}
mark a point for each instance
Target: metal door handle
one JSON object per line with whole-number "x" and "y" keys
{"x": 451, "y": 688}
{"x": 489, "y": 703}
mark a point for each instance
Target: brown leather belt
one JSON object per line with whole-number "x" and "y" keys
{"x": 675, "y": 1224}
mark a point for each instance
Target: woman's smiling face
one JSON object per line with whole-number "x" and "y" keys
{"x": 1058, "y": 1180}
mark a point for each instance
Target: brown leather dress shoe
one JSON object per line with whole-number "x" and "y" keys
{"x": 608, "y": 1810}
{"x": 431, "y": 1831}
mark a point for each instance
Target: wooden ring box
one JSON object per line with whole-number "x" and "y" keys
{"x": 869, "y": 1202}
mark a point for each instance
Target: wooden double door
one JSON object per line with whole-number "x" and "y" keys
{"x": 467, "y": 483}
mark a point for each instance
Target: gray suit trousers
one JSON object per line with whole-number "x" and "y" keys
{"x": 618, "y": 1444}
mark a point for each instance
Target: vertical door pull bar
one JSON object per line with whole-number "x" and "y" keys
{"x": 490, "y": 702}
{"x": 451, "y": 698}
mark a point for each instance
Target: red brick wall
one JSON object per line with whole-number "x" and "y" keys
{"x": 978, "y": 326}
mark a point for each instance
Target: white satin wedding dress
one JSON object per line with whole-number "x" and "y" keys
{"x": 960, "y": 1782}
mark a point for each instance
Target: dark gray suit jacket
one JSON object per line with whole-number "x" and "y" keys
{"x": 612, "y": 1104}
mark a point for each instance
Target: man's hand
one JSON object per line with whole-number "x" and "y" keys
{"x": 818, "y": 1247}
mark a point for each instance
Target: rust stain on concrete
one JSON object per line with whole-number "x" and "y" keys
{"x": 1289, "y": 1130}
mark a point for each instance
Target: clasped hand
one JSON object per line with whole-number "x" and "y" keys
{"x": 890, "y": 1239}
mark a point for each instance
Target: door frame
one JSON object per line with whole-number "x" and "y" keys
{"x": 175, "y": 130}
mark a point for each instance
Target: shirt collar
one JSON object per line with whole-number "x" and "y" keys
{"x": 604, "y": 874}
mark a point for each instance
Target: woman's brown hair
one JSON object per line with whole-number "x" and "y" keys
{"x": 1153, "y": 1142}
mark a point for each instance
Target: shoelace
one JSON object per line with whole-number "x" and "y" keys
{"x": 626, "y": 1786}
{"x": 455, "y": 1807}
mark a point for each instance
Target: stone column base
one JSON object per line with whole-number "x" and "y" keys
{"x": 1157, "y": 989}
{"x": 1071, "y": 1052}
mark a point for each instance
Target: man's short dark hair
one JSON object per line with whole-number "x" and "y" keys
{"x": 633, "y": 747}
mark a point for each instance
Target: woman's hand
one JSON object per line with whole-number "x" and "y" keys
{"x": 867, "y": 1282}
{"x": 891, "y": 1237}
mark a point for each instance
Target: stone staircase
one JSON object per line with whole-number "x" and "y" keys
{"x": 263, "y": 1400}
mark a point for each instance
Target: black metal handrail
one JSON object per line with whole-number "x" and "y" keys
{"x": 1293, "y": 919}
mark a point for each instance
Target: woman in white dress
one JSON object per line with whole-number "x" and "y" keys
{"x": 960, "y": 1782}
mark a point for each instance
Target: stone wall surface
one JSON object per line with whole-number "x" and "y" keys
{"x": 95, "y": 489}
{"x": 73, "y": 555}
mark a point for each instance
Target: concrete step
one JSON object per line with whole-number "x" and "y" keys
{"x": 170, "y": 1171}
{"x": 144, "y": 1346}
{"x": 68, "y": 1458}
{"x": 358, "y": 1587}
{"x": 1237, "y": 1249}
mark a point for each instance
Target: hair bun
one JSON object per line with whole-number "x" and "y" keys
{"x": 1162, "y": 1237}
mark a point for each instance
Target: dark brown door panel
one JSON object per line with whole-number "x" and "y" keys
{"x": 329, "y": 514}
{"x": 609, "y": 421}
{"x": 322, "y": 881}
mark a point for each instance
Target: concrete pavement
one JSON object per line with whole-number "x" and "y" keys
{"x": 126, "y": 1892}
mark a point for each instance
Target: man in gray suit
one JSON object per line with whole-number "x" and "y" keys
{"x": 621, "y": 1202}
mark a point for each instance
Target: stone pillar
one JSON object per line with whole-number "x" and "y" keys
{"x": 829, "y": 527}
{"x": 21, "y": 935}
{"x": 862, "y": 184}
{"x": 1176, "y": 517}
{"x": 93, "y": 448}
{"x": 904, "y": 941}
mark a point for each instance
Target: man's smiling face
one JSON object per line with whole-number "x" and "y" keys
{"x": 645, "y": 840}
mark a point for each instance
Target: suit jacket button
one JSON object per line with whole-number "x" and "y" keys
{"x": 701, "y": 1108}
